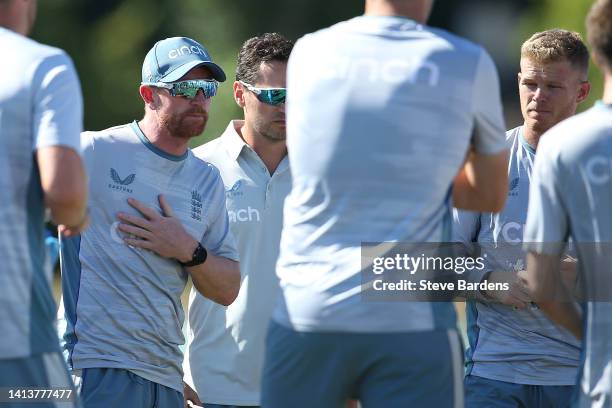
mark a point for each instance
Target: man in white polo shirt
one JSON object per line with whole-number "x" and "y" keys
{"x": 226, "y": 344}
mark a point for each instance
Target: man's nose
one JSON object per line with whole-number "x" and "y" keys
{"x": 539, "y": 94}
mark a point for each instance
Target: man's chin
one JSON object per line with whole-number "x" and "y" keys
{"x": 276, "y": 137}
{"x": 276, "y": 133}
{"x": 189, "y": 132}
{"x": 540, "y": 125}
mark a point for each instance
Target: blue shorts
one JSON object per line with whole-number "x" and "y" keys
{"x": 115, "y": 387}
{"x": 324, "y": 370}
{"x": 40, "y": 371}
{"x": 483, "y": 392}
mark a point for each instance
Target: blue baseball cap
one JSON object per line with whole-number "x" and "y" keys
{"x": 172, "y": 58}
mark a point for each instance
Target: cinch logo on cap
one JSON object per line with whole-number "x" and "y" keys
{"x": 177, "y": 52}
{"x": 170, "y": 59}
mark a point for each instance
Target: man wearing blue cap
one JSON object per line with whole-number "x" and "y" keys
{"x": 158, "y": 216}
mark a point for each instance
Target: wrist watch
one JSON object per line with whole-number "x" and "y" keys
{"x": 199, "y": 257}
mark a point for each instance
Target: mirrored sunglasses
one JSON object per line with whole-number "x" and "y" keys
{"x": 189, "y": 89}
{"x": 270, "y": 96}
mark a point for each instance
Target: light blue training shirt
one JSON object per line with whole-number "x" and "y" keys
{"x": 571, "y": 196}
{"x": 516, "y": 346}
{"x": 40, "y": 106}
{"x": 380, "y": 114}
{"x": 122, "y": 304}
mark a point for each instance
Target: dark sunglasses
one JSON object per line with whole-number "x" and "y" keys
{"x": 270, "y": 96}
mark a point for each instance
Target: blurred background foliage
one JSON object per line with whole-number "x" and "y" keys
{"x": 108, "y": 40}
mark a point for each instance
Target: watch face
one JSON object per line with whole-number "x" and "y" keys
{"x": 198, "y": 257}
{"x": 199, "y": 252}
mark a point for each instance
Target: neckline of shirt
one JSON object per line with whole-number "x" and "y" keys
{"x": 386, "y": 18}
{"x": 524, "y": 142}
{"x": 153, "y": 148}
{"x": 235, "y": 145}
{"x": 395, "y": 22}
{"x": 232, "y": 140}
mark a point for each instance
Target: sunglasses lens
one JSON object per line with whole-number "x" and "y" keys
{"x": 189, "y": 89}
{"x": 187, "y": 92}
{"x": 272, "y": 96}
{"x": 210, "y": 89}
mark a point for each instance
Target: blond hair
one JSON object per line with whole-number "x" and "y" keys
{"x": 557, "y": 45}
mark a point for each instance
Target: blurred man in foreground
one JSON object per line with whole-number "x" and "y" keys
{"x": 41, "y": 117}
{"x": 571, "y": 196}
{"x": 377, "y": 150}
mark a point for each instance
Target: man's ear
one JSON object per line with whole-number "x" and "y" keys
{"x": 583, "y": 92}
{"x": 149, "y": 97}
{"x": 239, "y": 94}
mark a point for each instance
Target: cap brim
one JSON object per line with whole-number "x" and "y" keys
{"x": 178, "y": 73}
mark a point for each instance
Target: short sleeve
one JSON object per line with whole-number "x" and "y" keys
{"x": 489, "y": 135}
{"x": 218, "y": 238}
{"x": 87, "y": 146}
{"x": 58, "y": 104}
{"x": 465, "y": 227}
{"x": 546, "y": 230}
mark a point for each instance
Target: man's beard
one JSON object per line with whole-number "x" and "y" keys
{"x": 270, "y": 132}
{"x": 178, "y": 124}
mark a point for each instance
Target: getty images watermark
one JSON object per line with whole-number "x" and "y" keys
{"x": 454, "y": 271}
{"x": 425, "y": 272}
